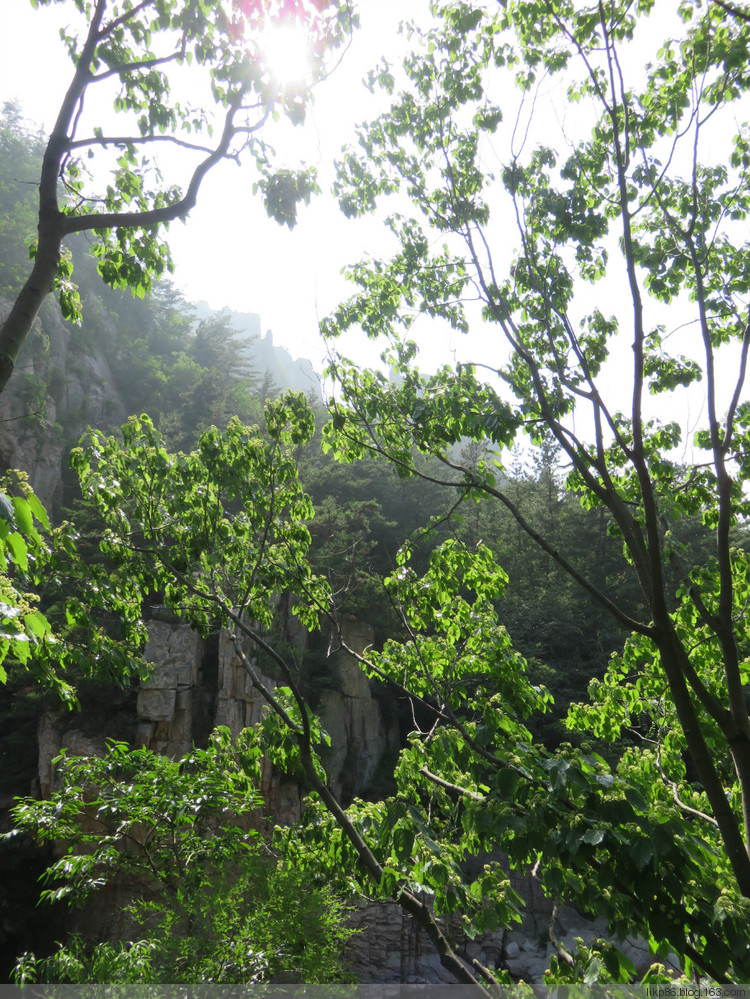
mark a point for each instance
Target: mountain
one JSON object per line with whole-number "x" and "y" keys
{"x": 275, "y": 364}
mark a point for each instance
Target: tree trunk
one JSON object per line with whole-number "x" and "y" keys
{"x": 671, "y": 651}
{"x": 25, "y": 309}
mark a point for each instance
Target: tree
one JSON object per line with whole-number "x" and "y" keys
{"x": 140, "y": 48}
{"x": 653, "y": 184}
{"x": 63, "y": 618}
{"x": 23, "y": 624}
{"x": 657, "y": 840}
{"x": 218, "y": 532}
{"x": 210, "y": 901}
{"x": 566, "y": 638}
{"x": 21, "y": 157}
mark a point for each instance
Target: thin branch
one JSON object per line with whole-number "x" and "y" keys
{"x": 123, "y": 19}
{"x": 159, "y": 216}
{"x": 258, "y": 683}
{"x": 463, "y": 791}
{"x": 676, "y": 797}
{"x": 134, "y": 140}
{"x": 743, "y": 15}
{"x": 601, "y": 598}
{"x": 729, "y": 423}
{"x": 131, "y": 67}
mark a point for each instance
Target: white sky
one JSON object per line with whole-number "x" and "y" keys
{"x": 230, "y": 254}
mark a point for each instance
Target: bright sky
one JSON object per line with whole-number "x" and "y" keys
{"x": 229, "y": 253}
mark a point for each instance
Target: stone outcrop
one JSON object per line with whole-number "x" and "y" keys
{"x": 54, "y": 733}
{"x": 352, "y": 716}
{"x": 239, "y": 704}
{"x": 269, "y": 360}
{"x": 389, "y": 947}
{"x": 56, "y": 392}
{"x": 170, "y": 701}
{"x": 165, "y": 700}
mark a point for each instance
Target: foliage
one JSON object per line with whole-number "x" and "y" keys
{"x": 210, "y": 901}
{"x": 23, "y": 624}
{"x": 656, "y": 839}
{"x": 636, "y": 208}
{"x": 564, "y": 635}
{"x": 186, "y": 375}
{"x": 219, "y": 530}
{"x": 20, "y": 161}
{"x": 222, "y": 526}
{"x": 476, "y": 783}
{"x": 63, "y": 618}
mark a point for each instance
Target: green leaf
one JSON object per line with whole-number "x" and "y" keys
{"x": 38, "y": 510}
{"x": 7, "y": 511}
{"x": 36, "y": 623}
{"x": 593, "y": 971}
{"x": 24, "y": 519}
{"x": 636, "y": 799}
{"x": 593, "y": 836}
{"x": 403, "y": 842}
{"x": 19, "y": 550}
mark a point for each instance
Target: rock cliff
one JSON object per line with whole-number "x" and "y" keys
{"x": 196, "y": 686}
{"x": 56, "y": 392}
{"x": 195, "y": 683}
{"x": 63, "y": 384}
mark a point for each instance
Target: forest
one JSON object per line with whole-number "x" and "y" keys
{"x": 490, "y": 620}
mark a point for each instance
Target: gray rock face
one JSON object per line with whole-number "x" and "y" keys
{"x": 165, "y": 701}
{"x": 53, "y": 734}
{"x": 239, "y": 704}
{"x": 352, "y": 716}
{"x": 389, "y": 948}
{"x": 264, "y": 357}
{"x": 56, "y": 392}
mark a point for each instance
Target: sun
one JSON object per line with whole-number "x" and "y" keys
{"x": 285, "y": 50}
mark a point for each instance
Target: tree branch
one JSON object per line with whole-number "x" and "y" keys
{"x": 743, "y": 15}
{"x": 123, "y": 18}
{"x": 131, "y": 67}
{"x": 159, "y": 216}
{"x": 134, "y": 140}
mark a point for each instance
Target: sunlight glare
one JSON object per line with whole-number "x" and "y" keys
{"x": 286, "y": 52}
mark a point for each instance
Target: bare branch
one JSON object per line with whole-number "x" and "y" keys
{"x": 729, "y": 422}
{"x": 158, "y": 216}
{"x": 676, "y": 797}
{"x": 463, "y": 791}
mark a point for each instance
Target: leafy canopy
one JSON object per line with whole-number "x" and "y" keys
{"x": 657, "y": 839}
{"x": 219, "y": 531}
{"x": 211, "y": 902}
{"x": 605, "y": 258}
